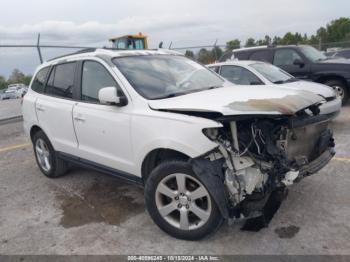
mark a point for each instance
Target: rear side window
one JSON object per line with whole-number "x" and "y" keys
{"x": 239, "y": 75}
{"x": 61, "y": 80}
{"x": 39, "y": 80}
{"x": 214, "y": 68}
{"x": 242, "y": 55}
{"x": 261, "y": 55}
{"x": 95, "y": 76}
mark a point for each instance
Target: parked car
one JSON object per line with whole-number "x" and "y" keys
{"x": 205, "y": 151}
{"x": 13, "y": 91}
{"x": 247, "y": 72}
{"x": 302, "y": 61}
{"x": 342, "y": 53}
{"x": 10, "y": 94}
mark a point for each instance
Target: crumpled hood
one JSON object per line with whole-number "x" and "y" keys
{"x": 240, "y": 100}
{"x": 313, "y": 87}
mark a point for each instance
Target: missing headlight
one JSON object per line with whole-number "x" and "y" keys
{"x": 211, "y": 133}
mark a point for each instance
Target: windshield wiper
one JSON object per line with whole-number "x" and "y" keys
{"x": 185, "y": 93}
{"x": 278, "y": 82}
{"x": 170, "y": 95}
{"x": 289, "y": 80}
{"x": 212, "y": 87}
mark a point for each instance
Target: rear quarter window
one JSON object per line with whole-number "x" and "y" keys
{"x": 38, "y": 84}
{"x": 241, "y": 55}
{"x": 262, "y": 55}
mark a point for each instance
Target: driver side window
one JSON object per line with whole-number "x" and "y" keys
{"x": 94, "y": 77}
{"x": 285, "y": 57}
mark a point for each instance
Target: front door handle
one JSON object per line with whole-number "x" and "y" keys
{"x": 40, "y": 108}
{"x": 79, "y": 118}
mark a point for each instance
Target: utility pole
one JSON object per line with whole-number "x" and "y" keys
{"x": 216, "y": 55}
{"x": 39, "y": 51}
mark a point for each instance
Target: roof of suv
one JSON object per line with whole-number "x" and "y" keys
{"x": 104, "y": 53}
{"x": 236, "y": 62}
{"x": 264, "y": 47}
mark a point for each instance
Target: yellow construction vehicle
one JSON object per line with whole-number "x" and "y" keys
{"x": 138, "y": 41}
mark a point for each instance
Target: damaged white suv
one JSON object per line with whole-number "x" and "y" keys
{"x": 205, "y": 150}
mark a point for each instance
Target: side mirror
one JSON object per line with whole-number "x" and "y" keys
{"x": 298, "y": 62}
{"x": 109, "y": 96}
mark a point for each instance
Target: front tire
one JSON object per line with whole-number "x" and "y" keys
{"x": 46, "y": 157}
{"x": 340, "y": 88}
{"x": 179, "y": 203}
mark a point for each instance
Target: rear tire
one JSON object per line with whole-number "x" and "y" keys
{"x": 46, "y": 157}
{"x": 340, "y": 88}
{"x": 174, "y": 206}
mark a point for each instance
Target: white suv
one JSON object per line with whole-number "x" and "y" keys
{"x": 205, "y": 150}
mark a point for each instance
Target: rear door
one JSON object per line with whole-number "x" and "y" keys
{"x": 54, "y": 107}
{"x": 103, "y": 131}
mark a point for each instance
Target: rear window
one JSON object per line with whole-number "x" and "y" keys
{"x": 261, "y": 55}
{"x": 242, "y": 55}
{"x": 61, "y": 80}
{"x": 39, "y": 80}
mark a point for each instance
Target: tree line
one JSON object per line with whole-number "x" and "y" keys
{"x": 16, "y": 77}
{"x": 334, "y": 34}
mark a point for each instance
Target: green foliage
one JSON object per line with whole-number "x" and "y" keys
{"x": 189, "y": 54}
{"x": 16, "y": 77}
{"x": 233, "y": 44}
{"x": 216, "y": 53}
{"x": 204, "y": 56}
{"x": 250, "y": 42}
{"x": 3, "y": 83}
{"x": 336, "y": 31}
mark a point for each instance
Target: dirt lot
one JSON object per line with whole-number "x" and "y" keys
{"x": 90, "y": 213}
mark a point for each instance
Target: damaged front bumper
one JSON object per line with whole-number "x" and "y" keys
{"x": 317, "y": 164}
{"x": 257, "y": 157}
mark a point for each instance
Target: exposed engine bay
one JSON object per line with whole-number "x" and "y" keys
{"x": 259, "y": 155}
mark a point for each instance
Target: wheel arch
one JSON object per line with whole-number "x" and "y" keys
{"x": 324, "y": 78}
{"x": 33, "y": 130}
{"x": 158, "y": 156}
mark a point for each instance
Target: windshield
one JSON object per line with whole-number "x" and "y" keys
{"x": 312, "y": 53}
{"x": 162, "y": 76}
{"x": 272, "y": 73}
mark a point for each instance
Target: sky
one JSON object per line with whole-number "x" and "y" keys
{"x": 182, "y": 22}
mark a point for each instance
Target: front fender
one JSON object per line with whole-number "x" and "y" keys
{"x": 191, "y": 150}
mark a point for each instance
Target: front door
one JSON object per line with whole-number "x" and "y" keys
{"x": 285, "y": 58}
{"x": 103, "y": 131}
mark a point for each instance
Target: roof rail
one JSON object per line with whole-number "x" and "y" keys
{"x": 81, "y": 51}
{"x": 93, "y": 49}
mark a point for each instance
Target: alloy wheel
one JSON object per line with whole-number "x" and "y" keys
{"x": 183, "y": 201}
{"x": 43, "y": 154}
